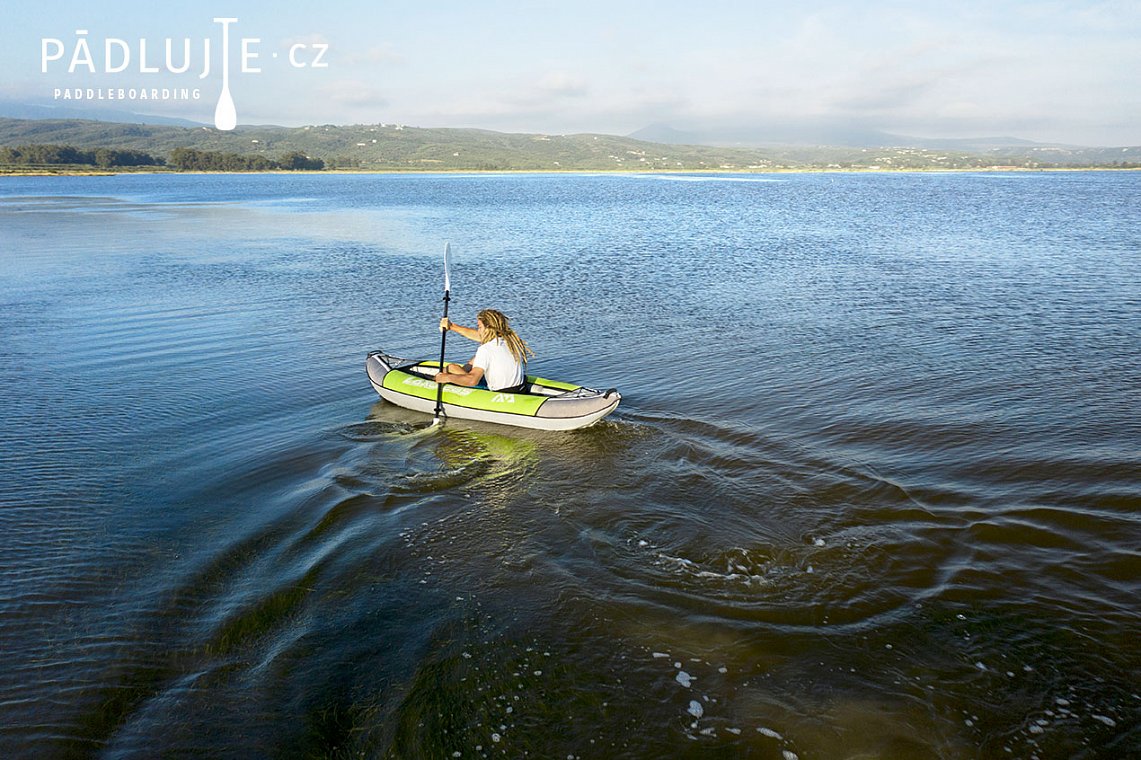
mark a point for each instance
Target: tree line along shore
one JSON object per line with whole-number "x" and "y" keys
{"x": 39, "y": 158}
{"x": 50, "y": 145}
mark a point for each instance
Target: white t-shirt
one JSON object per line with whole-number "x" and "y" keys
{"x": 500, "y": 369}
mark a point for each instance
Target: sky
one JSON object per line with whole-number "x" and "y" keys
{"x": 1057, "y": 72}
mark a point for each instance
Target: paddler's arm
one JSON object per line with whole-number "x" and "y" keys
{"x": 468, "y": 332}
{"x": 462, "y": 377}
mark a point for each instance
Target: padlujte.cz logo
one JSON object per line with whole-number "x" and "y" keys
{"x": 183, "y": 57}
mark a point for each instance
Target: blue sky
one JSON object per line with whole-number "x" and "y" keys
{"x": 1041, "y": 70}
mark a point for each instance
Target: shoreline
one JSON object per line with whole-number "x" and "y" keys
{"x": 42, "y": 172}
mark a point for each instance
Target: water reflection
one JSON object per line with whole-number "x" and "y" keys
{"x": 907, "y": 530}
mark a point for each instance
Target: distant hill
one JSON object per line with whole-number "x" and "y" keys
{"x": 836, "y": 137}
{"x": 397, "y": 147}
{"x": 770, "y": 136}
{"x": 388, "y": 146}
{"x": 19, "y": 110}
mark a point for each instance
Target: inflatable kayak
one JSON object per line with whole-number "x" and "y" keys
{"x": 544, "y": 404}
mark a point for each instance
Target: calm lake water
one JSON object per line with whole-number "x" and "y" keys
{"x": 872, "y": 491}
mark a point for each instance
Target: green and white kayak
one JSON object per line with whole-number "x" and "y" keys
{"x": 545, "y": 404}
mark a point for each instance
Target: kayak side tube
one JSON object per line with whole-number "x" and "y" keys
{"x": 545, "y": 404}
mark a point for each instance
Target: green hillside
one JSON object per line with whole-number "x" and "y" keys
{"x": 395, "y": 147}
{"x": 388, "y": 147}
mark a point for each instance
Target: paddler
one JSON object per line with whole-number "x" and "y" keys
{"x": 500, "y": 360}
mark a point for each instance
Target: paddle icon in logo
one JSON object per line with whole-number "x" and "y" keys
{"x": 225, "y": 115}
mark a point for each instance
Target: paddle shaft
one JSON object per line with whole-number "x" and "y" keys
{"x": 443, "y": 343}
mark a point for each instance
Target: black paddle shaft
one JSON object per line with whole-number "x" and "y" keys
{"x": 443, "y": 343}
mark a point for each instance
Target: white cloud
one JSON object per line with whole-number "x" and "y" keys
{"x": 353, "y": 93}
{"x": 377, "y": 55}
{"x": 563, "y": 85}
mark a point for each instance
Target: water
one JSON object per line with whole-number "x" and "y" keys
{"x": 871, "y": 492}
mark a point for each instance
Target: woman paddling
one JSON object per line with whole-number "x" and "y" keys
{"x": 499, "y": 360}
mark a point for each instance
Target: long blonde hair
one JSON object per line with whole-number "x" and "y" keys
{"x": 496, "y": 326}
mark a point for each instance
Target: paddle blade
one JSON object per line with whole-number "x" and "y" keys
{"x": 447, "y": 267}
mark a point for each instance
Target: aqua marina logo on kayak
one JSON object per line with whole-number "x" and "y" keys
{"x": 81, "y": 54}
{"x": 455, "y": 390}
